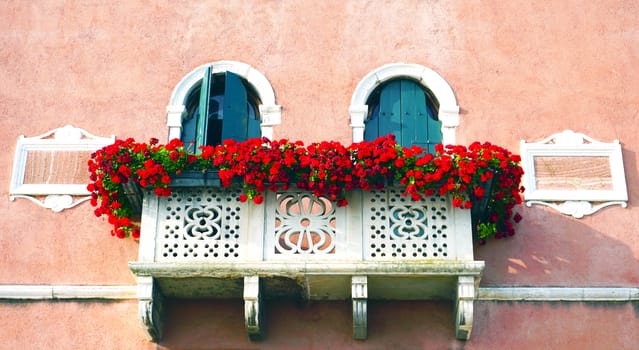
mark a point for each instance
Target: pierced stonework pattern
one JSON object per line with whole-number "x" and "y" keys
{"x": 199, "y": 224}
{"x": 304, "y": 224}
{"x": 397, "y": 227}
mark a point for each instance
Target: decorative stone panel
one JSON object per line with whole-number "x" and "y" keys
{"x": 398, "y": 228}
{"x": 201, "y": 224}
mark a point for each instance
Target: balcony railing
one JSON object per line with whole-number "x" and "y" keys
{"x": 203, "y": 242}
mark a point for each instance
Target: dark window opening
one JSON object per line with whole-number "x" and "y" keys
{"x": 223, "y": 106}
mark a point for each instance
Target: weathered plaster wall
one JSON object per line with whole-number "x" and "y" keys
{"x": 520, "y": 70}
{"x": 71, "y": 325}
{"x": 318, "y": 325}
{"x": 406, "y": 325}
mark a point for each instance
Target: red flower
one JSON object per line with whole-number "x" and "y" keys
{"x": 120, "y": 233}
{"x": 517, "y": 217}
{"x": 327, "y": 169}
{"x": 258, "y": 199}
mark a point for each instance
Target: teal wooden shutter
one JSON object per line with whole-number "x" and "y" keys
{"x": 254, "y": 126}
{"x": 405, "y": 112}
{"x": 390, "y": 110}
{"x": 434, "y": 128}
{"x": 419, "y": 126}
{"x": 202, "y": 118}
{"x": 236, "y": 118}
{"x": 412, "y": 102}
{"x": 371, "y": 130}
{"x": 231, "y": 119}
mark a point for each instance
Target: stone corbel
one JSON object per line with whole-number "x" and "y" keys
{"x": 464, "y": 307}
{"x": 252, "y": 307}
{"x": 150, "y": 307}
{"x": 359, "y": 290}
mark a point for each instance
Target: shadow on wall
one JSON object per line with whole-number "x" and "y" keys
{"x": 219, "y": 324}
{"x": 552, "y": 249}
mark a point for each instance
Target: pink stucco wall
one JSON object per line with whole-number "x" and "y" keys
{"x": 318, "y": 325}
{"x": 520, "y": 70}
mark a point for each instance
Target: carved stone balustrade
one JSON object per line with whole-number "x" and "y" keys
{"x": 203, "y": 242}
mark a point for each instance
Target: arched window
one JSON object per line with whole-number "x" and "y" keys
{"x": 223, "y": 106}
{"x": 409, "y": 100}
{"x": 222, "y": 100}
{"x": 404, "y": 108}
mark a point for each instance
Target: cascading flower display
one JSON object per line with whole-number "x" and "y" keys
{"x": 482, "y": 177}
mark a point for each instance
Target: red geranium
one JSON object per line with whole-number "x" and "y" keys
{"x": 480, "y": 175}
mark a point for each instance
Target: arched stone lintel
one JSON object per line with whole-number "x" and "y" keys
{"x": 176, "y": 108}
{"x": 448, "y": 108}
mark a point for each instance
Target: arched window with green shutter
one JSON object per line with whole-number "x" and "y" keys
{"x": 404, "y": 108}
{"x": 222, "y": 107}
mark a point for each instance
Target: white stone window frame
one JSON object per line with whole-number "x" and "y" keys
{"x": 580, "y": 202}
{"x": 270, "y": 113}
{"x": 57, "y": 197}
{"x": 428, "y": 78}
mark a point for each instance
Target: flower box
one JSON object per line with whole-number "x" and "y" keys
{"x": 263, "y": 218}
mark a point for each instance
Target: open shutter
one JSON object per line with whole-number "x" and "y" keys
{"x": 254, "y": 125}
{"x": 235, "y": 123}
{"x": 202, "y": 118}
{"x": 371, "y": 131}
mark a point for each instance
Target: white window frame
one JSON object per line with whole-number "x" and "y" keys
{"x": 428, "y": 78}
{"x": 270, "y": 113}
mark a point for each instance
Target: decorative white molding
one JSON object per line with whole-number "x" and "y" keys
{"x": 559, "y": 294}
{"x": 517, "y": 294}
{"x": 448, "y": 108}
{"x": 57, "y": 292}
{"x": 54, "y": 196}
{"x": 270, "y": 113}
{"x": 55, "y": 202}
{"x": 359, "y": 294}
{"x": 584, "y": 198}
{"x": 577, "y": 209}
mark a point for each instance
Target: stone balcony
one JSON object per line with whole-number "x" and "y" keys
{"x": 202, "y": 242}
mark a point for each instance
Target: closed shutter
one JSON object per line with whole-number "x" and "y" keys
{"x": 404, "y": 112}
